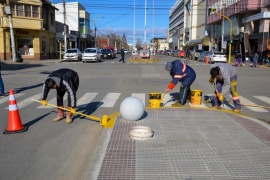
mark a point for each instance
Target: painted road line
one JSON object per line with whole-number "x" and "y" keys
{"x": 27, "y": 101}
{"x": 248, "y": 102}
{"x": 168, "y": 100}
{"x": 86, "y": 99}
{"x": 5, "y": 99}
{"x": 109, "y": 100}
{"x": 202, "y": 105}
{"x": 140, "y": 96}
{"x": 263, "y": 98}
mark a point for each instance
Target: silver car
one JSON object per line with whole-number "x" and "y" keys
{"x": 91, "y": 54}
{"x": 202, "y": 56}
{"x": 73, "y": 55}
{"x": 216, "y": 56}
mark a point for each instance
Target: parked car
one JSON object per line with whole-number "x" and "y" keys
{"x": 145, "y": 54}
{"x": 106, "y": 54}
{"x": 113, "y": 50}
{"x": 215, "y": 56}
{"x": 196, "y": 54}
{"x": 175, "y": 54}
{"x": 125, "y": 51}
{"x": 134, "y": 52}
{"x": 91, "y": 54}
{"x": 73, "y": 54}
{"x": 202, "y": 56}
{"x": 58, "y": 53}
{"x": 181, "y": 53}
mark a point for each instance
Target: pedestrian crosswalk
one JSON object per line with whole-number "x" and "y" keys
{"x": 109, "y": 100}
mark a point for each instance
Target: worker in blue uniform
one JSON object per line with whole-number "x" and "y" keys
{"x": 183, "y": 73}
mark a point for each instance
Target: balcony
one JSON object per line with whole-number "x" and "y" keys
{"x": 23, "y": 23}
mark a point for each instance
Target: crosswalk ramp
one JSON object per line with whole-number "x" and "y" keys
{"x": 109, "y": 100}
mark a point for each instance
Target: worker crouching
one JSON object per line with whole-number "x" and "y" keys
{"x": 63, "y": 80}
{"x": 186, "y": 75}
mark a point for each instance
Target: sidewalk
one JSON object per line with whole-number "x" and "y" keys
{"x": 45, "y": 61}
{"x": 188, "y": 143}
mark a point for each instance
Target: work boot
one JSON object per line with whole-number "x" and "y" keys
{"x": 177, "y": 104}
{"x": 68, "y": 117}
{"x": 216, "y": 107}
{"x": 60, "y": 115}
{"x": 237, "y": 110}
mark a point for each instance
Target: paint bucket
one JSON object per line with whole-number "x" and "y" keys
{"x": 196, "y": 97}
{"x": 154, "y": 100}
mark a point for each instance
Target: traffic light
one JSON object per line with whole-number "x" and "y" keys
{"x": 211, "y": 10}
{"x": 231, "y": 41}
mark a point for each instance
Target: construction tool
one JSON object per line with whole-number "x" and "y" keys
{"x": 162, "y": 97}
{"x": 104, "y": 121}
{"x": 215, "y": 87}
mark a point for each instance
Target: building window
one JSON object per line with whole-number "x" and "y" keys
{"x": 19, "y": 11}
{"x": 25, "y": 46}
{"x": 35, "y": 11}
{"x": 27, "y": 10}
{"x": 52, "y": 18}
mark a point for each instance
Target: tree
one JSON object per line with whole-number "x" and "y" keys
{"x": 139, "y": 44}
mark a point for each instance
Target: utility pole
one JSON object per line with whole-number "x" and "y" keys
{"x": 95, "y": 33}
{"x": 222, "y": 33}
{"x": 65, "y": 26}
{"x": 8, "y": 12}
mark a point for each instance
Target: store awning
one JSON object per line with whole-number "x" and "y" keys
{"x": 204, "y": 41}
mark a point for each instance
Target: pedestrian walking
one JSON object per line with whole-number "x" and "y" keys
{"x": 247, "y": 58}
{"x": 226, "y": 79}
{"x": 63, "y": 80}
{"x": 255, "y": 59}
{"x": 186, "y": 75}
{"x": 122, "y": 55}
{"x": 2, "y": 87}
{"x": 238, "y": 57}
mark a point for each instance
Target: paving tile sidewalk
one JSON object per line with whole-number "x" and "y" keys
{"x": 188, "y": 143}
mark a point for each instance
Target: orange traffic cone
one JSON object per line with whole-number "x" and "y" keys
{"x": 14, "y": 120}
{"x": 206, "y": 60}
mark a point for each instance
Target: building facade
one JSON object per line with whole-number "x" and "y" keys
{"x": 78, "y": 20}
{"x": 33, "y": 27}
{"x": 187, "y": 25}
{"x": 249, "y": 25}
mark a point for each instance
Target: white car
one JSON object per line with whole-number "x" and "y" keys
{"x": 72, "y": 54}
{"x": 91, "y": 54}
{"x": 134, "y": 52}
{"x": 216, "y": 56}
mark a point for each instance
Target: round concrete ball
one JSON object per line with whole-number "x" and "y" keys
{"x": 132, "y": 109}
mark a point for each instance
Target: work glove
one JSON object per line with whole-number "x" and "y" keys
{"x": 220, "y": 97}
{"x": 72, "y": 110}
{"x": 211, "y": 80}
{"x": 44, "y": 102}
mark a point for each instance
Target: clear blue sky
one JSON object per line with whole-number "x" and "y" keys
{"x": 118, "y": 17}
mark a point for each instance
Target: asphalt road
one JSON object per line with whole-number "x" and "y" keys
{"x": 50, "y": 150}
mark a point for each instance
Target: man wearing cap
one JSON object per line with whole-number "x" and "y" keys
{"x": 63, "y": 80}
{"x": 226, "y": 79}
{"x": 183, "y": 73}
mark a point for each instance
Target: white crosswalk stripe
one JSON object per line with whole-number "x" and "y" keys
{"x": 263, "y": 98}
{"x": 86, "y": 99}
{"x": 249, "y": 104}
{"x": 27, "y": 101}
{"x": 110, "y": 100}
{"x": 140, "y": 96}
{"x": 5, "y": 99}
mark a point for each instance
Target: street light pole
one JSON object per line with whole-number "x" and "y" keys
{"x": 8, "y": 12}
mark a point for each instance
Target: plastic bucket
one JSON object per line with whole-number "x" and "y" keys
{"x": 196, "y": 97}
{"x": 154, "y": 100}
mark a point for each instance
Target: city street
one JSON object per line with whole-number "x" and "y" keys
{"x": 56, "y": 150}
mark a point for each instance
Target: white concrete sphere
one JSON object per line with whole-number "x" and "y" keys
{"x": 132, "y": 108}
